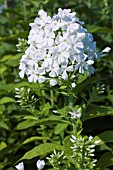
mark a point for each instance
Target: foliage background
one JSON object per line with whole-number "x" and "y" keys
{"x": 98, "y": 114}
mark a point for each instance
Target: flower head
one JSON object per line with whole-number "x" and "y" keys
{"x": 59, "y": 47}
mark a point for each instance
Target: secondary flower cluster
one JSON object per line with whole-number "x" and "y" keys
{"x": 56, "y": 159}
{"x": 25, "y": 97}
{"x": 59, "y": 48}
{"x": 83, "y": 151}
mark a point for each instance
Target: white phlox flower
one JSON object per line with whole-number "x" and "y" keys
{"x": 75, "y": 114}
{"x": 58, "y": 47}
{"x": 40, "y": 164}
{"x": 20, "y": 166}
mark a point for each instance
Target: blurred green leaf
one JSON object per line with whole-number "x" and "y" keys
{"x": 106, "y": 136}
{"x": 105, "y": 160}
{"x": 94, "y": 110}
{"x": 94, "y": 28}
{"x": 6, "y": 100}
{"x": 25, "y": 124}
{"x": 47, "y": 121}
{"x": 2, "y": 145}
{"x": 60, "y": 127}
{"x": 42, "y": 149}
{"x": 34, "y": 138}
{"x": 67, "y": 144}
{"x": 3, "y": 125}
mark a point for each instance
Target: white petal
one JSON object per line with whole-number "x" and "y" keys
{"x": 70, "y": 68}
{"x": 41, "y": 79}
{"x": 106, "y": 50}
{"x": 21, "y": 74}
{"x": 50, "y": 42}
{"x": 32, "y": 78}
{"x": 64, "y": 75}
{"x": 53, "y": 82}
{"x": 52, "y": 73}
{"x": 90, "y": 62}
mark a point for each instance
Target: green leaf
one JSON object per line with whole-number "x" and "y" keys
{"x": 67, "y": 144}
{"x": 46, "y": 107}
{"x": 2, "y": 109}
{"x": 6, "y": 100}
{"x": 93, "y": 111}
{"x": 81, "y": 78}
{"x": 12, "y": 86}
{"x": 4, "y": 125}
{"x": 59, "y": 128}
{"x": 25, "y": 124}
{"x": 2, "y": 69}
{"x": 47, "y": 121}
{"x": 42, "y": 149}
{"x": 19, "y": 35}
{"x": 64, "y": 111}
{"x": 14, "y": 60}
{"x": 51, "y": 120}
{"x": 85, "y": 84}
{"x": 105, "y": 160}
{"x": 63, "y": 87}
{"x": 30, "y": 118}
{"x": 106, "y": 136}
{"x": 104, "y": 147}
{"x": 94, "y": 28}
{"x": 110, "y": 97}
{"x": 2, "y": 145}
{"x": 34, "y": 138}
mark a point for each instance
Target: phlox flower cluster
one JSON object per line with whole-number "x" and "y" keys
{"x": 59, "y": 49}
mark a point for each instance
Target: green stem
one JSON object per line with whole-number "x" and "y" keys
{"x": 41, "y": 94}
{"x": 71, "y": 101}
{"x": 3, "y": 80}
{"x": 52, "y": 97}
{"x": 83, "y": 154}
{"x": 24, "y": 11}
{"x": 74, "y": 128}
{"x": 112, "y": 12}
{"x": 6, "y": 7}
{"x": 5, "y": 4}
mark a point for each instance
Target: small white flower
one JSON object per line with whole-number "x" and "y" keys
{"x": 73, "y": 85}
{"x": 40, "y": 164}
{"x": 76, "y": 114}
{"x": 90, "y": 137}
{"x": 20, "y": 166}
{"x": 106, "y": 50}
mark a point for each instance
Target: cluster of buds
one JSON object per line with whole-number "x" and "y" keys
{"x": 25, "y": 97}
{"x": 22, "y": 45}
{"x": 83, "y": 152}
{"x": 56, "y": 159}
